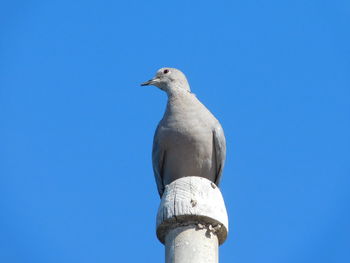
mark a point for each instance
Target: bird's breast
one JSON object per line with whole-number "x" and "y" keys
{"x": 179, "y": 134}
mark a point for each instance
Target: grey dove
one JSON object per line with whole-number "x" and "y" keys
{"x": 189, "y": 140}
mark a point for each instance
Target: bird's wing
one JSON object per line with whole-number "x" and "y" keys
{"x": 219, "y": 144}
{"x": 158, "y": 159}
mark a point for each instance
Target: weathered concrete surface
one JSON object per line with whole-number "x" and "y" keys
{"x": 196, "y": 202}
{"x": 188, "y": 244}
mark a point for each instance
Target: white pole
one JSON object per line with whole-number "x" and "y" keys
{"x": 192, "y": 221}
{"x": 185, "y": 244}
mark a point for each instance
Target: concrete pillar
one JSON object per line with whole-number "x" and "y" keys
{"x": 188, "y": 244}
{"x": 192, "y": 221}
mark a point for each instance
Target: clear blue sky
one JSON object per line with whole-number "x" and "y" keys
{"x": 76, "y": 129}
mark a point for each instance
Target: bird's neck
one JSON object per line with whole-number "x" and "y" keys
{"x": 177, "y": 91}
{"x": 178, "y": 101}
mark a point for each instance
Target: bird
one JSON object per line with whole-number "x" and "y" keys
{"x": 189, "y": 140}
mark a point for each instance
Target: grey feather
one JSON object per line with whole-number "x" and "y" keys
{"x": 220, "y": 152}
{"x": 158, "y": 159}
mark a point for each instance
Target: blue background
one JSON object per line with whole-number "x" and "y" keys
{"x": 76, "y": 129}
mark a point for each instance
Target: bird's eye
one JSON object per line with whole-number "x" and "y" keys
{"x": 166, "y": 71}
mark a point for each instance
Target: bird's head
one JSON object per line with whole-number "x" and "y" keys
{"x": 169, "y": 79}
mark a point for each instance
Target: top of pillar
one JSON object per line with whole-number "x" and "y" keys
{"x": 192, "y": 201}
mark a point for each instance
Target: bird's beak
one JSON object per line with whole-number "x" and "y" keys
{"x": 150, "y": 82}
